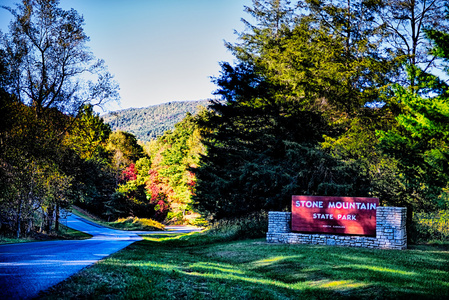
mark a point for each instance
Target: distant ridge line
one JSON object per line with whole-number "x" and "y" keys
{"x": 147, "y": 123}
{"x": 160, "y": 104}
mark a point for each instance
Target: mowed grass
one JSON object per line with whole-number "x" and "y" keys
{"x": 68, "y": 233}
{"x": 64, "y": 233}
{"x": 182, "y": 267}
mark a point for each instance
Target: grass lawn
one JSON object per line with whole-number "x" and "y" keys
{"x": 68, "y": 233}
{"x": 193, "y": 267}
{"x": 13, "y": 240}
{"x": 64, "y": 233}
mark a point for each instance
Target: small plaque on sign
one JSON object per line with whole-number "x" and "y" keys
{"x": 337, "y": 215}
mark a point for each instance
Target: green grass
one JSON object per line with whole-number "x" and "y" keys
{"x": 64, "y": 233}
{"x": 196, "y": 267}
{"x": 84, "y": 214}
{"x": 12, "y": 240}
{"x": 72, "y": 234}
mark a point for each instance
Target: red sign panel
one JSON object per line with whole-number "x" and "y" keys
{"x": 337, "y": 215}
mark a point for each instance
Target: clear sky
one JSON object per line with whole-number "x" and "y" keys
{"x": 158, "y": 50}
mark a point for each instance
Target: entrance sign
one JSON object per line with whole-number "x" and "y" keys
{"x": 336, "y": 215}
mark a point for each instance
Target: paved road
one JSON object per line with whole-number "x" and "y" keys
{"x": 26, "y": 269}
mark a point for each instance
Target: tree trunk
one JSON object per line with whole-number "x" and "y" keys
{"x": 30, "y": 226}
{"x": 19, "y": 217}
{"x": 57, "y": 218}
{"x": 49, "y": 219}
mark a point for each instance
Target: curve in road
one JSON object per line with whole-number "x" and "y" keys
{"x": 28, "y": 268}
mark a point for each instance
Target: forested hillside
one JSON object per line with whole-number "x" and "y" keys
{"x": 313, "y": 104}
{"x": 147, "y": 123}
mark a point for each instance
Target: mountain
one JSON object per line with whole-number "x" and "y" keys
{"x": 148, "y": 123}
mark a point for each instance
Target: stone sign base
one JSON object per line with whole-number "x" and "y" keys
{"x": 390, "y": 231}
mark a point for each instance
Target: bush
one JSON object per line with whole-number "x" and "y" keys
{"x": 254, "y": 225}
{"x": 199, "y": 222}
{"x": 134, "y": 223}
{"x": 432, "y": 227}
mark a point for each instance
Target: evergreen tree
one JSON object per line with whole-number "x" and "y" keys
{"x": 420, "y": 142}
{"x": 313, "y": 82}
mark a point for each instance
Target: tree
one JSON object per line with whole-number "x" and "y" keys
{"x": 329, "y": 59}
{"x": 420, "y": 142}
{"x": 299, "y": 77}
{"x": 47, "y": 156}
{"x": 256, "y": 159}
{"x": 181, "y": 151}
{"x": 405, "y": 22}
{"x": 167, "y": 176}
{"x": 124, "y": 148}
{"x": 46, "y": 56}
{"x": 96, "y": 185}
{"x": 88, "y": 134}
{"x": 88, "y": 161}
{"x": 34, "y": 184}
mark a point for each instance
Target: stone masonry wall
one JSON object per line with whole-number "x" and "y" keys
{"x": 390, "y": 231}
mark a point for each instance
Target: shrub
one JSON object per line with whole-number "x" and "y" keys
{"x": 148, "y": 224}
{"x": 254, "y": 225}
{"x": 432, "y": 227}
{"x": 134, "y": 223}
{"x": 200, "y": 222}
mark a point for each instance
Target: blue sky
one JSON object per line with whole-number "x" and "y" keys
{"x": 158, "y": 50}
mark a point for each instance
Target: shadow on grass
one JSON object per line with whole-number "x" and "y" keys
{"x": 253, "y": 269}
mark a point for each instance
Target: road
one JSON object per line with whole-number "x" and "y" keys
{"x": 28, "y": 268}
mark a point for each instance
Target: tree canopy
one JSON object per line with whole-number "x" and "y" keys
{"x": 48, "y": 60}
{"x": 420, "y": 141}
{"x": 51, "y": 142}
{"x": 312, "y": 83}
{"x": 323, "y": 98}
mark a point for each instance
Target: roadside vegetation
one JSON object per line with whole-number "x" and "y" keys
{"x": 134, "y": 223}
{"x": 64, "y": 233}
{"x": 432, "y": 227}
{"x": 68, "y": 233}
{"x": 130, "y": 223}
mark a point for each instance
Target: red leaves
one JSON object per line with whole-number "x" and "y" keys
{"x": 130, "y": 173}
{"x": 159, "y": 192}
